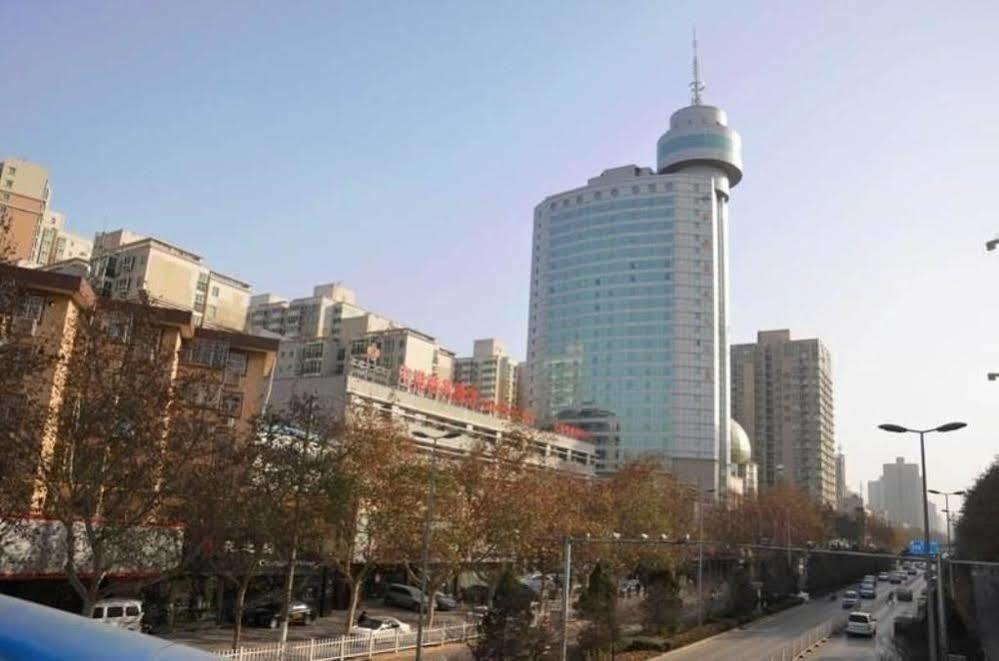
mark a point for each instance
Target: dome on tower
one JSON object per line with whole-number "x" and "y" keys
{"x": 740, "y": 450}
{"x": 699, "y": 135}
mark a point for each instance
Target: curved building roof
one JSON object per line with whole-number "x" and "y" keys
{"x": 740, "y": 449}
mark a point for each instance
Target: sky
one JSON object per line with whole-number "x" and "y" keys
{"x": 401, "y": 147}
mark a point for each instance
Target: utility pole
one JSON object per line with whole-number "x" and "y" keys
{"x": 566, "y": 593}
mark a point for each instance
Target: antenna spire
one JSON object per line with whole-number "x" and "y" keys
{"x": 696, "y": 86}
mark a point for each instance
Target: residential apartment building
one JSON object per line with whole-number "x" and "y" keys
{"x": 53, "y": 243}
{"x": 308, "y": 317}
{"x": 129, "y": 266}
{"x": 47, "y": 311}
{"x": 491, "y": 370}
{"x": 782, "y": 395}
{"x": 898, "y": 494}
{"x": 24, "y": 198}
{"x": 841, "y": 491}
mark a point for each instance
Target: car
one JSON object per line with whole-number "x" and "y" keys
{"x": 883, "y": 576}
{"x": 803, "y": 596}
{"x": 860, "y": 623}
{"x": 445, "y": 602}
{"x": 896, "y": 578}
{"x": 269, "y": 614}
{"x": 121, "y": 613}
{"x": 403, "y": 596}
{"x": 867, "y": 591}
{"x": 380, "y": 626}
{"x": 903, "y": 594}
{"x": 870, "y": 578}
{"x": 850, "y": 599}
{"x": 911, "y": 571}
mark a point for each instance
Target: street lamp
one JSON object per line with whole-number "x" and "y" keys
{"x": 425, "y": 559}
{"x": 898, "y": 429}
{"x": 947, "y": 495}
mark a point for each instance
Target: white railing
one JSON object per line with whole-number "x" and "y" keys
{"x": 351, "y": 646}
{"x": 804, "y": 643}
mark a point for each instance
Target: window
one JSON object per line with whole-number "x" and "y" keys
{"x": 232, "y": 404}
{"x": 30, "y": 307}
{"x": 211, "y": 353}
{"x": 202, "y": 282}
{"x": 11, "y": 170}
{"x": 10, "y": 183}
{"x": 118, "y": 325}
{"x": 236, "y": 363}
{"x": 115, "y": 611}
{"x": 132, "y": 610}
{"x": 215, "y": 292}
{"x": 99, "y": 613}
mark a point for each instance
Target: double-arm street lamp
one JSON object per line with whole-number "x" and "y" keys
{"x": 947, "y": 511}
{"x": 425, "y": 554}
{"x": 898, "y": 429}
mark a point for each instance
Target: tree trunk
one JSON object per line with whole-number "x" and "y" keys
{"x": 431, "y": 606}
{"x": 356, "y": 585}
{"x": 237, "y": 628}
{"x": 288, "y": 585}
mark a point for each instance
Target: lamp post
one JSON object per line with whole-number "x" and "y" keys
{"x": 425, "y": 553}
{"x": 947, "y": 495}
{"x": 700, "y": 552}
{"x": 898, "y": 429}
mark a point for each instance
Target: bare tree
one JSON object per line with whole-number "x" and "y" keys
{"x": 118, "y": 432}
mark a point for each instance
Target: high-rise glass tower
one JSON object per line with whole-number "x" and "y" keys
{"x": 629, "y": 301}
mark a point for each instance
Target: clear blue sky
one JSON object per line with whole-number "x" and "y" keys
{"x": 401, "y": 146}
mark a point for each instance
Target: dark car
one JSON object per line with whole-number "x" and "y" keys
{"x": 903, "y": 594}
{"x": 445, "y": 602}
{"x": 269, "y": 614}
{"x": 403, "y": 596}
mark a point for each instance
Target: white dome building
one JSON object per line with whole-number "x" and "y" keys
{"x": 742, "y": 468}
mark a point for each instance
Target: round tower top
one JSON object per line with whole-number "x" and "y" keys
{"x": 699, "y": 135}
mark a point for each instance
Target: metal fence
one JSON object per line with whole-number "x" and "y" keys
{"x": 804, "y": 642}
{"x": 352, "y": 646}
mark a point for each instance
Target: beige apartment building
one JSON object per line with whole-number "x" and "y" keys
{"x": 491, "y": 370}
{"x": 46, "y": 313}
{"x": 127, "y": 266}
{"x": 38, "y": 235}
{"x": 782, "y": 395}
{"x": 308, "y": 317}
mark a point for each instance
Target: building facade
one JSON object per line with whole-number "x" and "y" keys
{"x": 628, "y": 309}
{"x": 897, "y": 494}
{"x": 307, "y": 317}
{"x": 841, "y": 491}
{"x": 54, "y": 244}
{"x": 24, "y": 199}
{"x": 782, "y": 394}
{"x": 492, "y": 371}
{"x": 129, "y": 266}
{"x": 46, "y": 314}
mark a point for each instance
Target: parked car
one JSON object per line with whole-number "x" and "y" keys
{"x": 867, "y": 591}
{"x": 896, "y": 578}
{"x": 269, "y": 614}
{"x": 860, "y": 623}
{"x": 445, "y": 602}
{"x": 903, "y": 594}
{"x": 883, "y": 576}
{"x": 380, "y": 626}
{"x": 403, "y": 596}
{"x": 121, "y": 613}
{"x": 850, "y": 599}
{"x": 911, "y": 571}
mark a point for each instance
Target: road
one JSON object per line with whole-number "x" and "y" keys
{"x": 842, "y": 647}
{"x": 764, "y": 638}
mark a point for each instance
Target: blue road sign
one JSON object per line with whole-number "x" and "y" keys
{"x": 916, "y": 547}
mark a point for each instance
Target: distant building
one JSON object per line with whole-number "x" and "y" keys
{"x": 127, "y": 266}
{"x": 38, "y": 234}
{"x": 782, "y": 394}
{"x": 897, "y": 494}
{"x": 841, "y": 491}
{"x": 346, "y": 355}
{"x": 309, "y": 317}
{"x": 491, "y": 370}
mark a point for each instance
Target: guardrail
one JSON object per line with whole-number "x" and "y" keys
{"x": 351, "y": 646}
{"x": 804, "y": 643}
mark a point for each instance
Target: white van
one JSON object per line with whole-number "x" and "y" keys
{"x": 121, "y": 613}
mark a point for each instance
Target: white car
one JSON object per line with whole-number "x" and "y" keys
{"x": 380, "y": 626}
{"x": 121, "y": 613}
{"x": 860, "y": 623}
